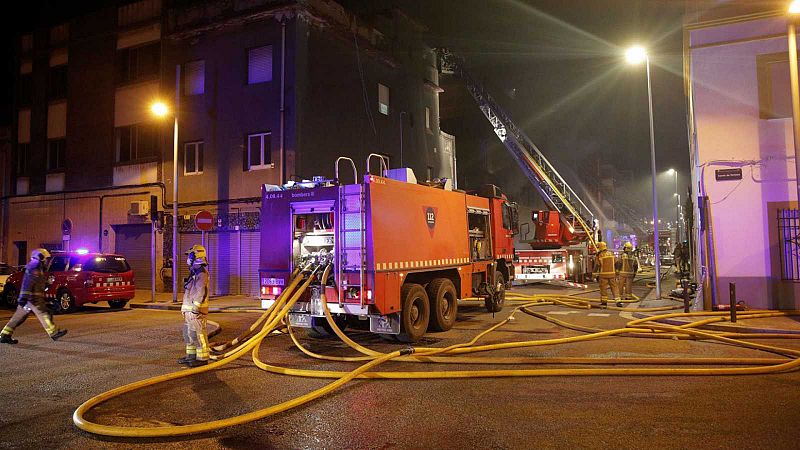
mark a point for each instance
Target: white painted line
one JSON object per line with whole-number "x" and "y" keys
{"x": 598, "y": 314}
{"x": 562, "y": 313}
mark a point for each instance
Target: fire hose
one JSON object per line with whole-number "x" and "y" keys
{"x": 275, "y": 318}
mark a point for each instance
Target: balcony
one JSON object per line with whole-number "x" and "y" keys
{"x": 136, "y": 173}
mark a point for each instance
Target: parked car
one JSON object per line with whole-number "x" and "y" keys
{"x": 78, "y": 278}
{"x": 5, "y": 272}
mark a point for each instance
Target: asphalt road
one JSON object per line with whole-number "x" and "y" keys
{"x": 43, "y": 382}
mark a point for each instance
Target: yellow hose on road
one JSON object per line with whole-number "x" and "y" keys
{"x": 250, "y": 342}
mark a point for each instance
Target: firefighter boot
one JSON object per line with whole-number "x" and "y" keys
{"x": 7, "y": 339}
{"x": 603, "y": 303}
{"x": 55, "y": 336}
{"x": 197, "y": 363}
{"x": 619, "y": 303}
{"x": 186, "y": 359}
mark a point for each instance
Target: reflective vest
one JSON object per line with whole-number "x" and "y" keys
{"x": 629, "y": 265}
{"x": 34, "y": 281}
{"x": 605, "y": 264}
{"x": 196, "y": 291}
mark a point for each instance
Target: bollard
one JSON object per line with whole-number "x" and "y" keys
{"x": 733, "y": 301}
{"x": 685, "y": 285}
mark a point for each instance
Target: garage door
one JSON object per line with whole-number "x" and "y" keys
{"x": 133, "y": 242}
{"x": 251, "y": 245}
{"x": 233, "y": 261}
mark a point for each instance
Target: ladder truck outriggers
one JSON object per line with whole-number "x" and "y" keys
{"x": 567, "y": 223}
{"x": 403, "y": 253}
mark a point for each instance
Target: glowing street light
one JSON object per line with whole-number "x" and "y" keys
{"x": 159, "y": 109}
{"x": 636, "y": 55}
{"x": 794, "y": 7}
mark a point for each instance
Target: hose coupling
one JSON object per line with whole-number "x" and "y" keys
{"x": 406, "y": 351}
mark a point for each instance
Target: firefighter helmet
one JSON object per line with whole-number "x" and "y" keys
{"x": 601, "y": 246}
{"x": 627, "y": 247}
{"x": 40, "y": 254}
{"x": 197, "y": 252}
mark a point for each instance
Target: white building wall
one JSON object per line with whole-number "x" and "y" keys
{"x": 728, "y": 133}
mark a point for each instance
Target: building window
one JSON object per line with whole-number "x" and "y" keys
{"x": 56, "y": 149}
{"x": 26, "y": 42}
{"x": 194, "y": 78}
{"x": 774, "y": 92}
{"x": 59, "y": 34}
{"x": 383, "y": 99}
{"x": 259, "y": 148}
{"x": 193, "y": 158}
{"x": 23, "y": 150}
{"x": 136, "y": 143}
{"x": 138, "y": 63}
{"x": 259, "y": 65}
{"x": 25, "y": 89}
{"x": 427, "y": 118}
{"x": 138, "y": 12}
{"x": 57, "y": 83}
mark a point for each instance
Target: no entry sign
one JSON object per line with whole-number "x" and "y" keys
{"x": 204, "y": 221}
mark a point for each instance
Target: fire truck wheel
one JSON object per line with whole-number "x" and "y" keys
{"x": 444, "y": 304}
{"x": 495, "y": 305}
{"x": 416, "y": 313}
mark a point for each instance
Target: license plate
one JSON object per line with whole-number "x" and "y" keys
{"x": 113, "y": 280}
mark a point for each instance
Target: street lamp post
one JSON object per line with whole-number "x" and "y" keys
{"x": 638, "y": 55}
{"x": 160, "y": 109}
{"x": 677, "y": 207}
{"x": 794, "y": 16}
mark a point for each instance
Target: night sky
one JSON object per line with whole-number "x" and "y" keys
{"x": 555, "y": 65}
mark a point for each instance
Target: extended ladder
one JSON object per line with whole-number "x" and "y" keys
{"x": 558, "y": 195}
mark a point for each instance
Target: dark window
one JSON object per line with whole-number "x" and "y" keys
{"x": 106, "y": 264}
{"x": 57, "y": 83}
{"x": 23, "y": 150}
{"x": 138, "y": 63}
{"x": 258, "y": 155}
{"x": 194, "y": 77}
{"x": 56, "y": 149}
{"x": 774, "y": 93}
{"x": 383, "y": 99}
{"x": 136, "y": 142}
{"x": 58, "y": 263}
{"x": 25, "y": 89}
{"x": 259, "y": 65}
{"x": 193, "y": 158}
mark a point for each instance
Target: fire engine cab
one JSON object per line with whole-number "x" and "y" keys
{"x": 403, "y": 253}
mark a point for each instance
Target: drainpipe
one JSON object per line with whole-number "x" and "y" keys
{"x": 283, "y": 103}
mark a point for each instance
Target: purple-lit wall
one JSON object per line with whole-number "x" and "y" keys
{"x": 728, "y": 132}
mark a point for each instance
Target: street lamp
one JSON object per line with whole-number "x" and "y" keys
{"x": 635, "y": 56}
{"x": 160, "y": 109}
{"x": 677, "y": 206}
{"x": 794, "y": 16}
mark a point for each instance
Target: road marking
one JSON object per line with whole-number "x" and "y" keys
{"x": 562, "y": 313}
{"x": 598, "y": 314}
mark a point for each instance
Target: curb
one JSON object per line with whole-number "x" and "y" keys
{"x": 176, "y": 307}
{"x": 721, "y": 327}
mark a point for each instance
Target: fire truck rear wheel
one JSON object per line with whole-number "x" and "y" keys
{"x": 416, "y": 313}
{"x": 444, "y": 304}
{"x": 496, "y": 305}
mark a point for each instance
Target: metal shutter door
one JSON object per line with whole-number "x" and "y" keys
{"x": 133, "y": 242}
{"x": 224, "y": 257}
{"x": 250, "y": 251}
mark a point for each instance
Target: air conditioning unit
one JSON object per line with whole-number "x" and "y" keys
{"x": 140, "y": 208}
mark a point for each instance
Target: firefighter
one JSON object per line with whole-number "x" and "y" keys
{"x": 32, "y": 300}
{"x": 627, "y": 267}
{"x": 684, "y": 266}
{"x": 605, "y": 272}
{"x": 195, "y": 308}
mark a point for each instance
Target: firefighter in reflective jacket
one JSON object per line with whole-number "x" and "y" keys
{"x": 32, "y": 300}
{"x": 606, "y": 273}
{"x": 195, "y": 308}
{"x": 627, "y": 267}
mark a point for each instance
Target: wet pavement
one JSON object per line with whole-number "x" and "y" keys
{"x": 44, "y": 381}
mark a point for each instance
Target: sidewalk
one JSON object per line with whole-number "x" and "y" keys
{"x": 785, "y": 325}
{"x": 216, "y": 304}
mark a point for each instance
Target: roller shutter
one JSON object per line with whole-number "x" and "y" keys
{"x": 251, "y": 251}
{"x": 133, "y": 242}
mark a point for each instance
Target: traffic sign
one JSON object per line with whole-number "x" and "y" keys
{"x": 204, "y": 221}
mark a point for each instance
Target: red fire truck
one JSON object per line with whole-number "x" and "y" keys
{"x": 403, "y": 253}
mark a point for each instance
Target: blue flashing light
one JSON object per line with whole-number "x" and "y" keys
{"x": 81, "y": 251}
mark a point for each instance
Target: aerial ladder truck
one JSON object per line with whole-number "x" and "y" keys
{"x": 567, "y": 222}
